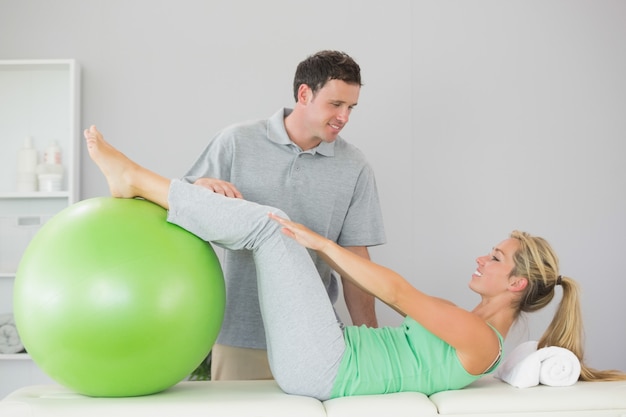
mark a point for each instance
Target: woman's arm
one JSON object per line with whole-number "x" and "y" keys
{"x": 368, "y": 276}
{"x": 360, "y": 304}
{"x": 476, "y": 343}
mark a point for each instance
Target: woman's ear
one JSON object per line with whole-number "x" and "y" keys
{"x": 517, "y": 283}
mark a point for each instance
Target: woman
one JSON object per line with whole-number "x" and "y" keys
{"x": 439, "y": 346}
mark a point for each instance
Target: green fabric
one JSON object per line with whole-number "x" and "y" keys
{"x": 395, "y": 359}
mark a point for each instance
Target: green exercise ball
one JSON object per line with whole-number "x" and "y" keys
{"x": 111, "y": 300}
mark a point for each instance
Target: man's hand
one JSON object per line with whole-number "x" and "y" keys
{"x": 218, "y": 186}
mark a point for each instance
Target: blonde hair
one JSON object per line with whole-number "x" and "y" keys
{"x": 538, "y": 263}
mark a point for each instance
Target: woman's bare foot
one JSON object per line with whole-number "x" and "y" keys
{"x": 116, "y": 167}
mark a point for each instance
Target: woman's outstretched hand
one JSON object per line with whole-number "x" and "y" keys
{"x": 301, "y": 234}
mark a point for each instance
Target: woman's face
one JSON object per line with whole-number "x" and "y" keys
{"x": 493, "y": 270}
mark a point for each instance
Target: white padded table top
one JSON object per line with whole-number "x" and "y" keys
{"x": 490, "y": 396}
{"x": 186, "y": 399}
{"x": 487, "y": 397}
{"x": 401, "y": 404}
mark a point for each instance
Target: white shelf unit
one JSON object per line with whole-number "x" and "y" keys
{"x": 40, "y": 99}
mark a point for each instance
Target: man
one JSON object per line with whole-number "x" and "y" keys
{"x": 296, "y": 161}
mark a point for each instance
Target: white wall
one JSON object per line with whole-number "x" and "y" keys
{"x": 479, "y": 117}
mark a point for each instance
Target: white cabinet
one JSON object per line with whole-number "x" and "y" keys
{"x": 38, "y": 99}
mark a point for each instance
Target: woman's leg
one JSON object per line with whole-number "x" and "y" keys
{"x": 305, "y": 342}
{"x": 125, "y": 178}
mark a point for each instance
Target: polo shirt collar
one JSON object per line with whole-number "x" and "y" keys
{"x": 277, "y": 133}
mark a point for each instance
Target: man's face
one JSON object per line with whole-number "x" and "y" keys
{"x": 328, "y": 111}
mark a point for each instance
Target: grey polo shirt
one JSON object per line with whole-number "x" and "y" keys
{"x": 330, "y": 189}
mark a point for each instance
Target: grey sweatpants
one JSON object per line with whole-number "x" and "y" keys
{"x": 305, "y": 341}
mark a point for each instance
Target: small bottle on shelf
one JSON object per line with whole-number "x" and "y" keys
{"x": 50, "y": 172}
{"x": 26, "y": 167}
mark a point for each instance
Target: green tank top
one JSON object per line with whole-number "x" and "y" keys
{"x": 394, "y": 359}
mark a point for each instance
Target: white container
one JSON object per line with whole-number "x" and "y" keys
{"x": 52, "y": 155}
{"x": 50, "y": 172}
{"x": 50, "y": 182}
{"x": 27, "y": 167}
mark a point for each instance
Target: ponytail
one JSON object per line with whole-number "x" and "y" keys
{"x": 566, "y": 331}
{"x": 536, "y": 261}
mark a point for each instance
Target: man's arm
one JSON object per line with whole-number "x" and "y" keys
{"x": 360, "y": 304}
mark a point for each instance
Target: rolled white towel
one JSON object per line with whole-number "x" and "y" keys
{"x": 9, "y": 338}
{"x": 559, "y": 367}
{"x": 528, "y": 366}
